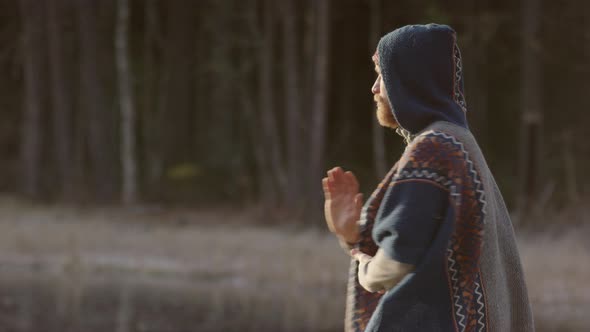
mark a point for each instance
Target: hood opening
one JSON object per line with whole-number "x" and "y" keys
{"x": 423, "y": 75}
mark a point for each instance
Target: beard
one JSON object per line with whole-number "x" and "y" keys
{"x": 384, "y": 113}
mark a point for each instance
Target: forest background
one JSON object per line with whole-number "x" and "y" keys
{"x": 129, "y": 125}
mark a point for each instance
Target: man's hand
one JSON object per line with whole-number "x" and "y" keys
{"x": 343, "y": 204}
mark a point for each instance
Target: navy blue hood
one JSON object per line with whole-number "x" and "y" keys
{"x": 422, "y": 72}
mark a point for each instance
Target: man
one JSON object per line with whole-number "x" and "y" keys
{"x": 433, "y": 247}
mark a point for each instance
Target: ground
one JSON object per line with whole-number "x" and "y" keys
{"x": 152, "y": 269}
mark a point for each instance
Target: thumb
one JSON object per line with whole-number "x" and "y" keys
{"x": 358, "y": 200}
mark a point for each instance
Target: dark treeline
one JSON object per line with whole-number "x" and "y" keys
{"x": 249, "y": 101}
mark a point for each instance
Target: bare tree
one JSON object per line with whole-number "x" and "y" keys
{"x": 319, "y": 97}
{"x": 293, "y": 106}
{"x": 61, "y": 98}
{"x": 128, "y": 142}
{"x": 482, "y": 25}
{"x": 92, "y": 102}
{"x": 272, "y": 178}
{"x": 175, "y": 86}
{"x": 379, "y": 159}
{"x": 30, "y": 148}
{"x": 151, "y": 141}
{"x": 224, "y": 71}
{"x": 532, "y": 117}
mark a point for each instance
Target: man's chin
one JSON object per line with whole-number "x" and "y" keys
{"x": 386, "y": 121}
{"x": 388, "y": 124}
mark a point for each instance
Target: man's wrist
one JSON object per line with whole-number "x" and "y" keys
{"x": 349, "y": 242}
{"x": 347, "y": 247}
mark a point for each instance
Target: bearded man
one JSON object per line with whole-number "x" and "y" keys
{"x": 433, "y": 248}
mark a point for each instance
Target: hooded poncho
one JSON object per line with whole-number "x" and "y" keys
{"x": 439, "y": 208}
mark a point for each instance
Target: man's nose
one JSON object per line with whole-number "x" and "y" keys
{"x": 375, "y": 87}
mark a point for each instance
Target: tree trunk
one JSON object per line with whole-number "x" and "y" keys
{"x": 532, "y": 117}
{"x": 224, "y": 72}
{"x": 152, "y": 151}
{"x": 293, "y": 116}
{"x": 569, "y": 167}
{"x": 475, "y": 58}
{"x": 92, "y": 101}
{"x": 128, "y": 144}
{"x": 379, "y": 159}
{"x": 175, "y": 100}
{"x": 272, "y": 177}
{"x": 30, "y": 144}
{"x": 319, "y": 107}
{"x": 62, "y": 108}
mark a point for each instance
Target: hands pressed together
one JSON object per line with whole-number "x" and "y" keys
{"x": 343, "y": 208}
{"x": 343, "y": 204}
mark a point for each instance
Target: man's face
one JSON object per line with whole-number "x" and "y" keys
{"x": 384, "y": 113}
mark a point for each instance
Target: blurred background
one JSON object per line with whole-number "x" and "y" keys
{"x": 161, "y": 160}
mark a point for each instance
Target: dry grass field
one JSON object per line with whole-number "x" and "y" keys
{"x": 144, "y": 269}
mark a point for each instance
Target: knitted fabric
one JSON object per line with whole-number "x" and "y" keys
{"x": 423, "y": 75}
{"x": 360, "y": 303}
{"x": 438, "y": 208}
{"x": 468, "y": 274}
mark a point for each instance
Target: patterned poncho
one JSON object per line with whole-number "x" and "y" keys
{"x": 438, "y": 208}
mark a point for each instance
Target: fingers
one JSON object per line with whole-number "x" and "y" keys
{"x": 325, "y": 183}
{"x": 358, "y": 201}
{"x": 331, "y": 175}
{"x": 335, "y": 173}
{"x": 326, "y": 186}
{"x": 352, "y": 179}
{"x": 339, "y": 181}
{"x": 334, "y": 179}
